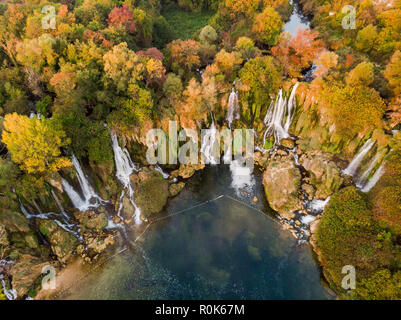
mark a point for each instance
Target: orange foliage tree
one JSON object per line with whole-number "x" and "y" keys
{"x": 297, "y": 54}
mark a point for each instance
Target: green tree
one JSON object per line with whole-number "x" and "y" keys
{"x": 267, "y": 26}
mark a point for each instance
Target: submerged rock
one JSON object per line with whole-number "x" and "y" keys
{"x": 325, "y": 175}
{"x": 175, "y": 188}
{"x": 281, "y": 181}
{"x": 62, "y": 242}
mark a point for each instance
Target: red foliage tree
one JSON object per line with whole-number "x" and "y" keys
{"x": 122, "y": 16}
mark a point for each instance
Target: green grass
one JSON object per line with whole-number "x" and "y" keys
{"x": 185, "y": 23}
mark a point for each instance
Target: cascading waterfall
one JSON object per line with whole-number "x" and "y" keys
{"x": 361, "y": 181}
{"x": 279, "y": 110}
{"x": 160, "y": 170}
{"x": 90, "y": 198}
{"x": 63, "y": 216}
{"x": 375, "y": 178}
{"x": 242, "y": 178}
{"x": 124, "y": 168}
{"x": 10, "y": 294}
{"x": 353, "y": 167}
{"x": 233, "y": 108}
{"x": 209, "y": 140}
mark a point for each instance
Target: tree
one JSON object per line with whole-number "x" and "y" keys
{"x": 366, "y": 39}
{"x": 208, "y": 35}
{"x": 267, "y": 26}
{"x": 246, "y": 47}
{"x": 325, "y": 62}
{"x": 228, "y": 63}
{"x": 184, "y": 56}
{"x": 123, "y": 66}
{"x": 393, "y": 72}
{"x": 297, "y": 54}
{"x": 353, "y": 110}
{"x": 35, "y": 144}
{"x": 172, "y": 87}
{"x": 260, "y": 78}
{"x": 361, "y": 75}
{"x": 122, "y": 17}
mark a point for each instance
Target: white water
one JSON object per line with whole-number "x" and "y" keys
{"x": 242, "y": 178}
{"x": 233, "y": 108}
{"x": 124, "y": 168}
{"x": 89, "y": 198}
{"x": 317, "y": 206}
{"x": 279, "y": 110}
{"x": 160, "y": 170}
{"x": 308, "y": 219}
{"x": 361, "y": 181}
{"x": 376, "y": 177}
{"x": 209, "y": 139}
{"x": 353, "y": 167}
{"x": 10, "y": 294}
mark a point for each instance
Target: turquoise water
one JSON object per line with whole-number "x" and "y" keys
{"x": 221, "y": 249}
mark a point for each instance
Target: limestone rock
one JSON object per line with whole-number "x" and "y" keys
{"x": 324, "y": 173}
{"x": 151, "y": 194}
{"x": 62, "y": 242}
{"x": 281, "y": 181}
{"x": 175, "y": 188}
{"x": 14, "y": 221}
{"x": 288, "y": 143}
{"x": 25, "y": 271}
{"x": 91, "y": 220}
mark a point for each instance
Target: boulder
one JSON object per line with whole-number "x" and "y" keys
{"x": 25, "y": 271}
{"x": 99, "y": 243}
{"x": 175, "y": 188}
{"x": 14, "y": 221}
{"x": 281, "y": 181}
{"x": 62, "y": 242}
{"x": 151, "y": 194}
{"x": 325, "y": 175}
{"x": 91, "y": 220}
{"x": 288, "y": 143}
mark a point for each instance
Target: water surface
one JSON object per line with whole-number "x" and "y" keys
{"x": 220, "y": 249}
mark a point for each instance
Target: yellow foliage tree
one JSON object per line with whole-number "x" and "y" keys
{"x": 35, "y": 144}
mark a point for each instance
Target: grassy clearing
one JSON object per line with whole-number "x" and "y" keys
{"x": 185, "y": 23}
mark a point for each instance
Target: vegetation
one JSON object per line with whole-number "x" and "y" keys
{"x": 128, "y": 66}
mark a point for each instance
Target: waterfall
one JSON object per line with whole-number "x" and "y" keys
{"x": 233, "y": 108}
{"x": 10, "y": 294}
{"x": 90, "y": 198}
{"x": 280, "y": 110}
{"x": 317, "y": 206}
{"x": 353, "y": 167}
{"x": 365, "y": 175}
{"x": 124, "y": 168}
{"x": 242, "y": 178}
{"x": 160, "y": 170}
{"x": 376, "y": 177}
{"x": 209, "y": 140}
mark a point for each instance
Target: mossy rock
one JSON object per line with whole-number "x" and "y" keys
{"x": 62, "y": 242}
{"x": 14, "y": 221}
{"x": 151, "y": 194}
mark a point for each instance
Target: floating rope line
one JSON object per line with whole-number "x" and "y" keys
{"x": 65, "y": 290}
{"x": 177, "y": 213}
